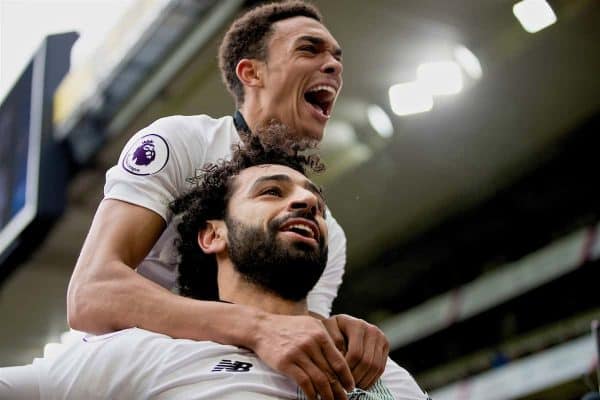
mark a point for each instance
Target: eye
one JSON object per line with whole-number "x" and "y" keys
{"x": 310, "y": 48}
{"x": 272, "y": 191}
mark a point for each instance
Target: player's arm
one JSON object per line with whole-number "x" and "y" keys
{"x": 364, "y": 345}
{"x": 106, "y": 294}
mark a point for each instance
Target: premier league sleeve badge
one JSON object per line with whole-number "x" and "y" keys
{"x": 146, "y": 156}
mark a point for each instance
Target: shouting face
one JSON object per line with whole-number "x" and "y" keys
{"x": 302, "y": 75}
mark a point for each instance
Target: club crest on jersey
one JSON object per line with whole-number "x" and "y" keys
{"x": 147, "y": 155}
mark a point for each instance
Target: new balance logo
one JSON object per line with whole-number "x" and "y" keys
{"x": 232, "y": 366}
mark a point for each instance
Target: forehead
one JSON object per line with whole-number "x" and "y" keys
{"x": 289, "y": 30}
{"x": 249, "y": 176}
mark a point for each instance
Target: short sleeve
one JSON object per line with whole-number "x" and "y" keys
{"x": 401, "y": 383}
{"x": 154, "y": 164}
{"x": 320, "y": 299}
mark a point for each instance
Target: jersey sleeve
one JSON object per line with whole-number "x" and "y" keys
{"x": 320, "y": 299}
{"x": 401, "y": 383}
{"x": 154, "y": 165}
{"x": 19, "y": 383}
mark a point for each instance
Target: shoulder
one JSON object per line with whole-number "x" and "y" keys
{"x": 199, "y": 126}
{"x": 137, "y": 340}
{"x": 95, "y": 364}
{"x": 174, "y": 146}
{"x": 113, "y": 344}
{"x": 193, "y": 122}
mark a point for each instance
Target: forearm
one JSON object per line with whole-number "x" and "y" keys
{"x": 119, "y": 298}
{"x": 297, "y": 346}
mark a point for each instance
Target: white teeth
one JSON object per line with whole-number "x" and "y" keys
{"x": 323, "y": 87}
{"x": 301, "y": 227}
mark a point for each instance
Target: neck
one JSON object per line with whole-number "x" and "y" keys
{"x": 234, "y": 288}
{"x": 254, "y": 114}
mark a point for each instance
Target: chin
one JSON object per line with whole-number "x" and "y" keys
{"x": 310, "y": 133}
{"x": 314, "y": 132}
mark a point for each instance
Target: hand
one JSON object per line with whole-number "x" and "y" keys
{"x": 301, "y": 348}
{"x": 364, "y": 346}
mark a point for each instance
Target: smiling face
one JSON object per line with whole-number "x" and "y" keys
{"x": 282, "y": 199}
{"x": 301, "y": 76}
{"x": 277, "y": 236}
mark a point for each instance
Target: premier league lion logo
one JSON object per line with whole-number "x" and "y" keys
{"x": 145, "y": 153}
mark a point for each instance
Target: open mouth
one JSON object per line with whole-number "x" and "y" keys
{"x": 303, "y": 228}
{"x": 321, "y": 98}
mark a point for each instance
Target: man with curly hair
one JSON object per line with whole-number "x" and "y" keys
{"x": 280, "y": 63}
{"x": 256, "y": 225}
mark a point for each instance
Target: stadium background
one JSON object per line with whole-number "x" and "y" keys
{"x": 471, "y": 227}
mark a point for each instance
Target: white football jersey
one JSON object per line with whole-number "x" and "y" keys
{"x": 138, "y": 364}
{"x": 154, "y": 169}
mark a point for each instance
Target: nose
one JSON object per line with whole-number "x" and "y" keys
{"x": 332, "y": 66}
{"x": 304, "y": 200}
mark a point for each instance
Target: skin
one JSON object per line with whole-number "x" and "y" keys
{"x": 270, "y": 199}
{"x": 256, "y": 201}
{"x": 275, "y": 88}
{"x": 106, "y": 294}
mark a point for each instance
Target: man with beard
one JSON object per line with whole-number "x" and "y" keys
{"x": 258, "y": 226}
{"x": 279, "y": 62}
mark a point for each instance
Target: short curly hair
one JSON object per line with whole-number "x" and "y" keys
{"x": 208, "y": 200}
{"x": 248, "y": 36}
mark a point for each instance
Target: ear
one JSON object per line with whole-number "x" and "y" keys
{"x": 213, "y": 238}
{"x": 249, "y": 72}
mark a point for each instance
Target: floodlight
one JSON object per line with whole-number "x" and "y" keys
{"x": 410, "y": 98}
{"x": 534, "y": 15}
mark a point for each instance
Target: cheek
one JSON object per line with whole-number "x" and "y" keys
{"x": 292, "y": 83}
{"x": 255, "y": 214}
{"x": 324, "y": 230}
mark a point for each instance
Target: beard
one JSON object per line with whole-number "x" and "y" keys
{"x": 287, "y": 269}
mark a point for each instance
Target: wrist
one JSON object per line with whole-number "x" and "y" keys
{"x": 250, "y": 331}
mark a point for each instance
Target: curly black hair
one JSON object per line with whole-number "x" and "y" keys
{"x": 208, "y": 200}
{"x": 248, "y": 36}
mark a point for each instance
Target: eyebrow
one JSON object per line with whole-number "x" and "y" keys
{"x": 317, "y": 41}
{"x": 285, "y": 178}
